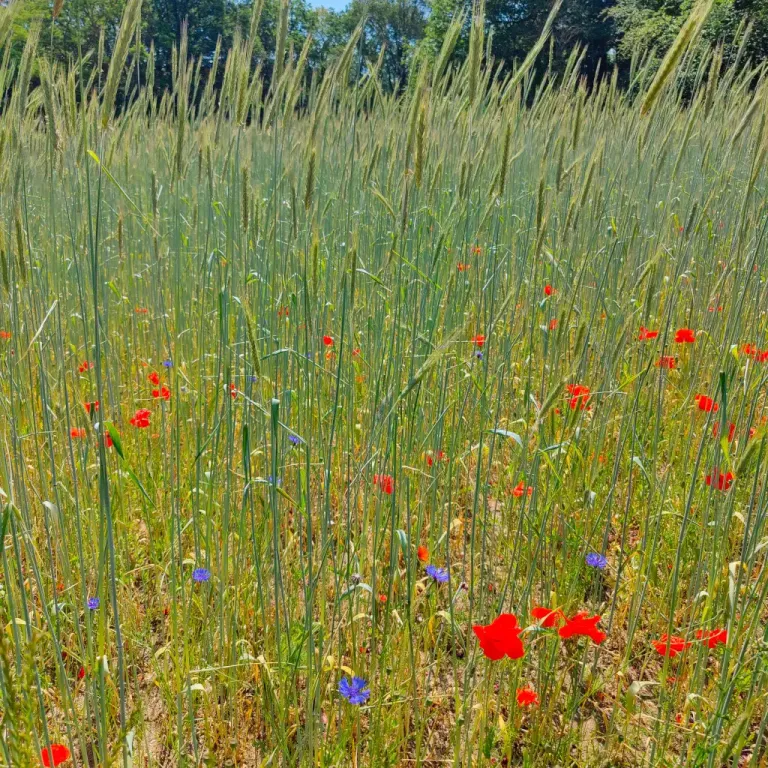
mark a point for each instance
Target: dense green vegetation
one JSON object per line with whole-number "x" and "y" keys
{"x": 306, "y": 379}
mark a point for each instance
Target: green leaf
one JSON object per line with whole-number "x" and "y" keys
{"x": 115, "y": 437}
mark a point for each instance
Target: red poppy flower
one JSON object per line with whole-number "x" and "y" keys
{"x": 141, "y": 311}
{"x": 477, "y": 250}
{"x": 579, "y": 396}
{"x": 750, "y": 350}
{"x": 141, "y": 418}
{"x": 646, "y": 334}
{"x": 713, "y": 637}
{"x": 501, "y": 638}
{"x": 385, "y": 482}
{"x": 54, "y": 755}
{"x": 163, "y": 393}
{"x": 84, "y": 366}
{"x": 5, "y": 335}
{"x": 108, "y": 440}
{"x": 77, "y": 432}
{"x": 463, "y": 267}
{"x": 548, "y": 290}
{"x": 441, "y": 456}
{"x": 527, "y": 697}
{"x": 520, "y": 489}
{"x": 724, "y": 481}
{"x": 553, "y": 324}
{"x": 356, "y": 352}
{"x": 670, "y": 646}
{"x": 762, "y": 357}
{"x": 667, "y": 361}
{"x": 731, "y": 430}
{"x": 283, "y": 312}
{"x": 706, "y": 404}
{"x": 685, "y": 336}
{"x": 154, "y": 378}
{"x": 94, "y": 406}
{"x": 81, "y": 673}
{"x": 582, "y": 625}
{"x": 328, "y": 341}
{"x": 382, "y": 598}
{"x": 479, "y": 340}
{"x": 422, "y": 553}
{"x": 232, "y": 391}
{"x": 547, "y": 617}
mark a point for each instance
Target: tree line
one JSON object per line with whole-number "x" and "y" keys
{"x": 609, "y": 33}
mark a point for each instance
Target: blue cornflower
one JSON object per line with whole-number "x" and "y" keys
{"x": 440, "y": 575}
{"x": 271, "y": 480}
{"x": 201, "y": 574}
{"x": 355, "y": 691}
{"x": 479, "y": 355}
{"x": 93, "y": 603}
{"x": 168, "y": 363}
{"x": 254, "y": 379}
{"x": 295, "y": 439}
{"x": 596, "y": 560}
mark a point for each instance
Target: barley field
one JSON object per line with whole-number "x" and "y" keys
{"x": 348, "y": 428}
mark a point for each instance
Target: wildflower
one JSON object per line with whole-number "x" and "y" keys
{"x": 582, "y": 625}
{"x": 479, "y": 340}
{"x": 520, "y": 489}
{"x": 596, "y": 560}
{"x": 478, "y": 354}
{"x": 84, "y": 366}
{"x": 527, "y": 697}
{"x": 500, "y": 638}
{"x": 54, "y": 755}
{"x": 94, "y": 406}
{"x": 547, "y": 617}
{"x": 670, "y": 645}
{"x": 108, "y": 440}
{"x": 685, "y": 336}
{"x": 294, "y": 439}
{"x": 232, "y": 391}
{"x": 440, "y": 575}
{"x": 382, "y": 598}
{"x": 141, "y": 418}
{"x": 440, "y": 457}
{"x": 548, "y": 290}
{"x": 646, "y": 334}
{"x": 154, "y": 378}
{"x": 706, "y": 404}
{"x": 77, "y": 432}
{"x": 385, "y": 482}
{"x": 163, "y": 393}
{"x": 201, "y": 575}
{"x": 553, "y": 324}
{"x": 141, "y": 310}
{"x": 168, "y": 363}
{"x": 750, "y": 350}
{"x": 463, "y": 267}
{"x": 283, "y": 312}
{"x": 713, "y": 637}
{"x": 81, "y": 673}
{"x": 731, "y": 430}
{"x": 423, "y": 554}
{"x": 667, "y": 361}
{"x": 355, "y": 691}
{"x": 328, "y": 341}
{"x": 5, "y": 335}
{"x": 93, "y": 603}
{"x": 723, "y": 482}
{"x": 477, "y": 250}
{"x": 579, "y": 396}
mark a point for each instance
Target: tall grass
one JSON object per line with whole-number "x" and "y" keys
{"x": 216, "y": 239}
